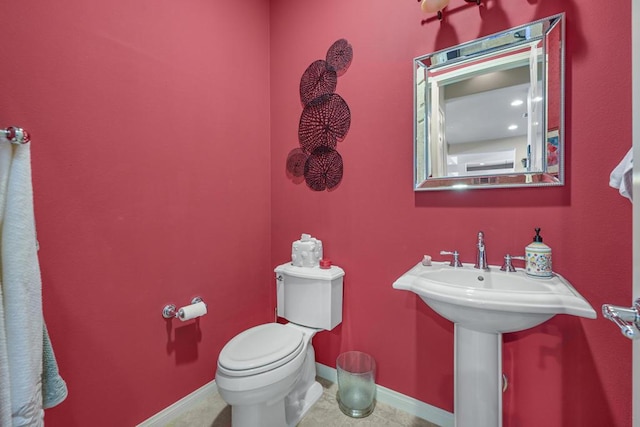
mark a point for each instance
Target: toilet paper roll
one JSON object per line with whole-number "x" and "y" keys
{"x": 192, "y": 311}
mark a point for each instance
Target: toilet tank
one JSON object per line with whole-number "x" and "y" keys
{"x": 310, "y": 296}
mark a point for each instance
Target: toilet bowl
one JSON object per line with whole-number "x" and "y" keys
{"x": 267, "y": 373}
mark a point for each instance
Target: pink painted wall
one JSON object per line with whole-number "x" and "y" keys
{"x": 567, "y": 372}
{"x": 150, "y": 123}
{"x": 153, "y": 123}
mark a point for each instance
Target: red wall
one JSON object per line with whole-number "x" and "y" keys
{"x": 567, "y": 372}
{"x": 153, "y": 126}
{"x": 150, "y": 123}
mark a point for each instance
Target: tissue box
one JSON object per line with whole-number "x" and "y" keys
{"x": 306, "y": 252}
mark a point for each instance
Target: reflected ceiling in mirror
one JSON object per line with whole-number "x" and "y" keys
{"x": 490, "y": 113}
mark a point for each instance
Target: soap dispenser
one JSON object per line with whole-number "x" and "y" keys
{"x": 538, "y": 256}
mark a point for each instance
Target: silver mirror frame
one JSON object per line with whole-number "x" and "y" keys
{"x": 543, "y": 177}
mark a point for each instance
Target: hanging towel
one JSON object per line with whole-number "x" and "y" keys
{"x": 54, "y": 389}
{"x": 21, "y": 352}
{"x": 5, "y": 394}
{"x": 622, "y": 176}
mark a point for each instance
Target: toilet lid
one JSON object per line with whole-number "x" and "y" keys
{"x": 260, "y": 349}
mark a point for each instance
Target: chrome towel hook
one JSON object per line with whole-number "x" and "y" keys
{"x": 16, "y": 135}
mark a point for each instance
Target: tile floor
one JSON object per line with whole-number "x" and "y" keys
{"x": 214, "y": 412}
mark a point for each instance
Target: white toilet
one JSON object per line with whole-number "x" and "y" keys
{"x": 267, "y": 373}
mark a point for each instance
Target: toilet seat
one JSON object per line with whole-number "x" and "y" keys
{"x": 260, "y": 349}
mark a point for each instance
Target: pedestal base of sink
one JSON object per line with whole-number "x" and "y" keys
{"x": 478, "y": 378}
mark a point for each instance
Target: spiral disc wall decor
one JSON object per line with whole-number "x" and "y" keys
{"x": 324, "y": 122}
{"x": 296, "y": 161}
{"x": 323, "y": 169}
{"x": 318, "y": 79}
{"x": 339, "y": 56}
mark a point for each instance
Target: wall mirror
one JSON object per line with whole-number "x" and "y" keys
{"x": 490, "y": 113}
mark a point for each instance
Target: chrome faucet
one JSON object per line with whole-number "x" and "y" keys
{"x": 481, "y": 258}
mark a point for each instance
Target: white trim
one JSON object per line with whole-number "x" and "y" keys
{"x": 170, "y": 413}
{"x": 399, "y": 401}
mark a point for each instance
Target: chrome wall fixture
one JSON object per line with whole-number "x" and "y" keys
{"x": 627, "y": 318}
{"x": 438, "y": 6}
{"x": 15, "y": 135}
{"x": 170, "y": 311}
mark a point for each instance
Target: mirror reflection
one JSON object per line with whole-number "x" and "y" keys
{"x": 489, "y": 113}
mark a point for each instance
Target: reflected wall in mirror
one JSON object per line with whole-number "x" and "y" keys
{"x": 490, "y": 113}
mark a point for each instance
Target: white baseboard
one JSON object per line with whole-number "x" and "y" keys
{"x": 170, "y": 413}
{"x": 399, "y": 401}
{"x": 385, "y": 395}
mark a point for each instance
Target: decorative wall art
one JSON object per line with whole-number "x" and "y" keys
{"x": 323, "y": 169}
{"x": 295, "y": 165}
{"x": 318, "y": 79}
{"x": 325, "y": 120}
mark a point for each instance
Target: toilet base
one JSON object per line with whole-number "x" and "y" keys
{"x": 258, "y": 415}
{"x": 313, "y": 394}
{"x": 273, "y": 415}
{"x": 269, "y": 406}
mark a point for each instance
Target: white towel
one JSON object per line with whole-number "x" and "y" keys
{"x": 622, "y": 176}
{"x": 21, "y": 320}
{"x": 5, "y": 392}
{"x": 54, "y": 388}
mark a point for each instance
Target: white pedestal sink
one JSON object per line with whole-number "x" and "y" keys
{"x": 484, "y": 305}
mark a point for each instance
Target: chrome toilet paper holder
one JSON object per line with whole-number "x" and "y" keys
{"x": 170, "y": 311}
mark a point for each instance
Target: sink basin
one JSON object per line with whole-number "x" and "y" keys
{"x": 493, "y": 301}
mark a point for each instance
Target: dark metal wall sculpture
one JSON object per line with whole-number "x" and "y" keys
{"x": 339, "y": 56}
{"x": 295, "y": 165}
{"x": 325, "y": 121}
{"x": 323, "y": 169}
{"x": 318, "y": 79}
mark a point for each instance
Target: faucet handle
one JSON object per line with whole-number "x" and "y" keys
{"x": 455, "y": 262}
{"x": 508, "y": 266}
